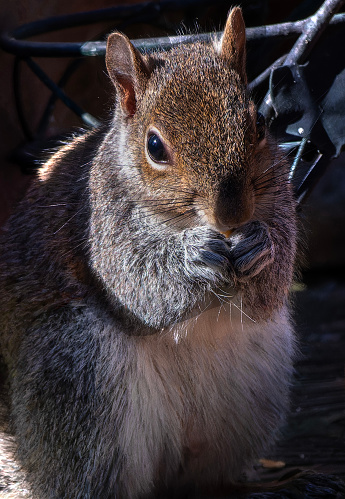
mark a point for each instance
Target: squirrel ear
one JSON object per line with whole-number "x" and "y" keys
{"x": 127, "y": 69}
{"x": 233, "y": 42}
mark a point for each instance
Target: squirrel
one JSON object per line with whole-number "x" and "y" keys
{"x": 144, "y": 285}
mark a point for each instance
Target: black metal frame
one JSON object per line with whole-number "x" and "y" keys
{"x": 307, "y": 31}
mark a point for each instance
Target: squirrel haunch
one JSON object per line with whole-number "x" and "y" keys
{"x": 144, "y": 348}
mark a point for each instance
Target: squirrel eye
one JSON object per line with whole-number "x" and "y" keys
{"x": 260, "y": 126}
{"x": 156, "y": 149}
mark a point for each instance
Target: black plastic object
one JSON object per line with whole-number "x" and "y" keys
{"x": 309, "y": 100}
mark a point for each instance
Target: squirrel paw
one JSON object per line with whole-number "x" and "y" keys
{"x": 252, "y": 250}
{"x": 207, "y": 254}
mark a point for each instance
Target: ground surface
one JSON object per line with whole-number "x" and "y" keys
{"x": 314, "y": 438}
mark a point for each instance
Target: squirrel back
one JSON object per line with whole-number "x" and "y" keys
{"x": 144, "y": 285}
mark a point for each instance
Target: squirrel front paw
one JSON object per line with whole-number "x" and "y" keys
{"x": 252, "y": 250}
{"x": 207, "y": 254}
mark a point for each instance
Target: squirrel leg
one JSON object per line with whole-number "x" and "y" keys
{"x": 59, "y": 403}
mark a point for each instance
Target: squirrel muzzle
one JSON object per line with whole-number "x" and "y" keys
{"x": 233, "y": 206}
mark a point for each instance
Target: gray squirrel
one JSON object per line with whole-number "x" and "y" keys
{"x": 144, "y": 285}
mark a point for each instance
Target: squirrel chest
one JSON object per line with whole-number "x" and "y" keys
{"x": 187, "y": 411}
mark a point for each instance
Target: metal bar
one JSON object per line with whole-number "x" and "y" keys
{"x": 313, "y": 175}
{"x": 48, "y": 111}
{"x": 297, "y": 157}
{"x": 18, "y": 100}
{"x": 57, "y": 23}
{"x": 12, "y": 42}
{"x": 147, "y": 44}
{"x": 106, "y": 14}
{"x": 87, "y": 118}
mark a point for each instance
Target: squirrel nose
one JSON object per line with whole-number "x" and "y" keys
{"x": 233, "y": 208}
{"x": 231, "y": 215}
{"x": 232, "y": 220}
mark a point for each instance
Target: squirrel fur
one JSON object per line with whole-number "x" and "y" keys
{"x": 144, "y": 348}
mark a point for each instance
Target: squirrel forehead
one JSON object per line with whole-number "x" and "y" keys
{"x": 195, "y": 80}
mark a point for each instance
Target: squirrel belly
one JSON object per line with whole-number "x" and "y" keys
{"x": 206, "y": 397}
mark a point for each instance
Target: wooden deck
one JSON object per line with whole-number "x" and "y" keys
{"x": 314, "y": 438}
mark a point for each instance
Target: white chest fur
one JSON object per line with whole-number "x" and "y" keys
{"x": 205, "y": 397}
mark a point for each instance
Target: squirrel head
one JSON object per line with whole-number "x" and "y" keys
{"x": 189, "y": 128}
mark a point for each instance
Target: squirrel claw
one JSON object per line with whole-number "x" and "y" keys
{"x": 207, "y": 254}
{"x": 252, "y": 250}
